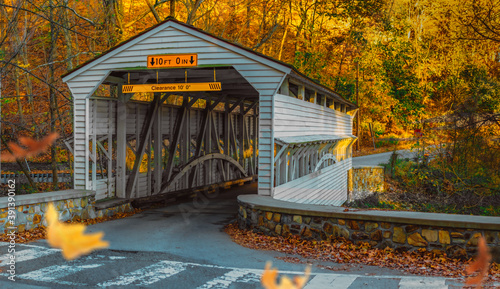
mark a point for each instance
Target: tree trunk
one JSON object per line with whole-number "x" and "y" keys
{"x": 52, "y": 94}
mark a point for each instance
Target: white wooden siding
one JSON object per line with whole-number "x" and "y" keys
{"x": 101, "y": 188}
{"x": 327, "y": 186}
{"x": 263, "y": 74}
{"x": 295, "y": 117}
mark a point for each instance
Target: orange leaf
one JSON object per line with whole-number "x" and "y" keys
{"x": 70, "y": 237}
{"x": 33, "y": 147}
{"x": 480, "y": 265}
{"x": 269, "y": 275}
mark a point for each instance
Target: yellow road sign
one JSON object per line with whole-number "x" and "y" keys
{"x": 171, "y": 87}
{"x": 172, "y": 60}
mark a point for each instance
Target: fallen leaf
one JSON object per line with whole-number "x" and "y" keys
{"x": 269, "y": 276}
{"x": 342, "y": 251}
{"x": 33, "y": 147}
{"x": 480, "y": 265}
{"x": 70, "y": 237}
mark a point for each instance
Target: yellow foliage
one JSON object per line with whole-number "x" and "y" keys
{"x": 70, "y": 237}
{"x": 131, "y": 159}
{"x": 248, "y": 152}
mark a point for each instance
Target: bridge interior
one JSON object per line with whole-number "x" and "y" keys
{"x": 146, "y": 144}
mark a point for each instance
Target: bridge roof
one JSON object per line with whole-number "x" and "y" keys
{"x": 284, "y": 67}
{"x": 310, "y": 139}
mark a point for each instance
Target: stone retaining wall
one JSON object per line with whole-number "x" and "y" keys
{"x": 108, "y": 212}
{"x": 364, "y": 181}
{"x": 29, "y": 210}
{"x": 455, "y": 242}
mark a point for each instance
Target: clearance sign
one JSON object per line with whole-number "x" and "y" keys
{"x": 172, "y": 60}
{"x": 172, "y": 87}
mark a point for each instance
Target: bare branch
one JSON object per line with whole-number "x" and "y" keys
{"x": 76, "y": 13}
{"x": 155, "y": 14}
{"x": 45, "y": 18}
{"x": 266, "y": 38}
{"x": 35, "y": 76}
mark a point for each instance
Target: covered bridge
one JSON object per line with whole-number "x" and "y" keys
{"x": 175, "y": 108}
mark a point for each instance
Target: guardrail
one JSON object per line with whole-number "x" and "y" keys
{"x": 37, "y": 178}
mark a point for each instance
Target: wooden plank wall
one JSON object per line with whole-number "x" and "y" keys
{"x": 327, "y": 186}
{"x": 103, "y": 124}
{"x": 176, "y": 39}
{"x": 295, "y": 117}
{"x": 103, "y": 127}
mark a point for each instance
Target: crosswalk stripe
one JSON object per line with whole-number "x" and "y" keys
{"x": 54, "y": 273}
{"x": 28, "y": 254}
{"x": 329, "y": 281}
{"x": 225, "y": 280}
{"x": 147, "y": 275}
{"x": 417, "y": 283}
{"x": 104, "y": 257}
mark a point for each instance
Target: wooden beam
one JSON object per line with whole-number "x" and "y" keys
{"x": 181, "y": 116}
{"x": 130, "y": 147}
{"x": 250, "y": 107}
{"x": 121, "y": 146}
{"x": 215, "y": 135}
{"x": 255, "y": 142}
{"x": 201, "y": 133}
{"x": 192, "y": 176}
{"x": 193, "y": 100}
{"x": 233, "y": 140}
{"x": 208, "y": 146}
{"x": 185, "y": 142}
{"x": 158, "y": 151}
{"x": 241, "y": 129}
{"x": 110, "y": 145}
{"x": 213, "y": 105}
{"x": 220, "y": 165}
{"x": 114, "y": 79}
{"x": 146, "y": 130}
{"x": 302, "y": 92}
{"x": 202, "y": 159}
{"x": 226, "y": 138}
{"x": 284, "y": 88}
{"x": 99, "y": 144}
{"x": 278, "y": 155}
{"x": 231, "y": 108}
{"x": 94, "y": 145}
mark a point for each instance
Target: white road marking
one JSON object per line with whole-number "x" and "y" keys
{"x": 225, "y": 280}
{"x": 28, "y": 254}
{"x": 417, "y": 283}
{"x": 164, "y": 269}
{"x": 54, "y": 273}
{"x": 336, "y": 281}
{"x": 147, "y": 275}
{"x": 104, "y": 257}
{"x": 251, "y": 277}
{"x": 117, "y": 257}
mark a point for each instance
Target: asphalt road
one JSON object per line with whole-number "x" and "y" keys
{"x": 382, "y": 158}
{"x": 184, "y": 246}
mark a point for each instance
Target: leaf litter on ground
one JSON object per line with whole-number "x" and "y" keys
{"x": 40, "y": 232}
{"x": 419, "y": 262}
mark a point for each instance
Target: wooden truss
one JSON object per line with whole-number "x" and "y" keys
{"x": 296, "y": 159}
{"x": 200, "y": 147}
